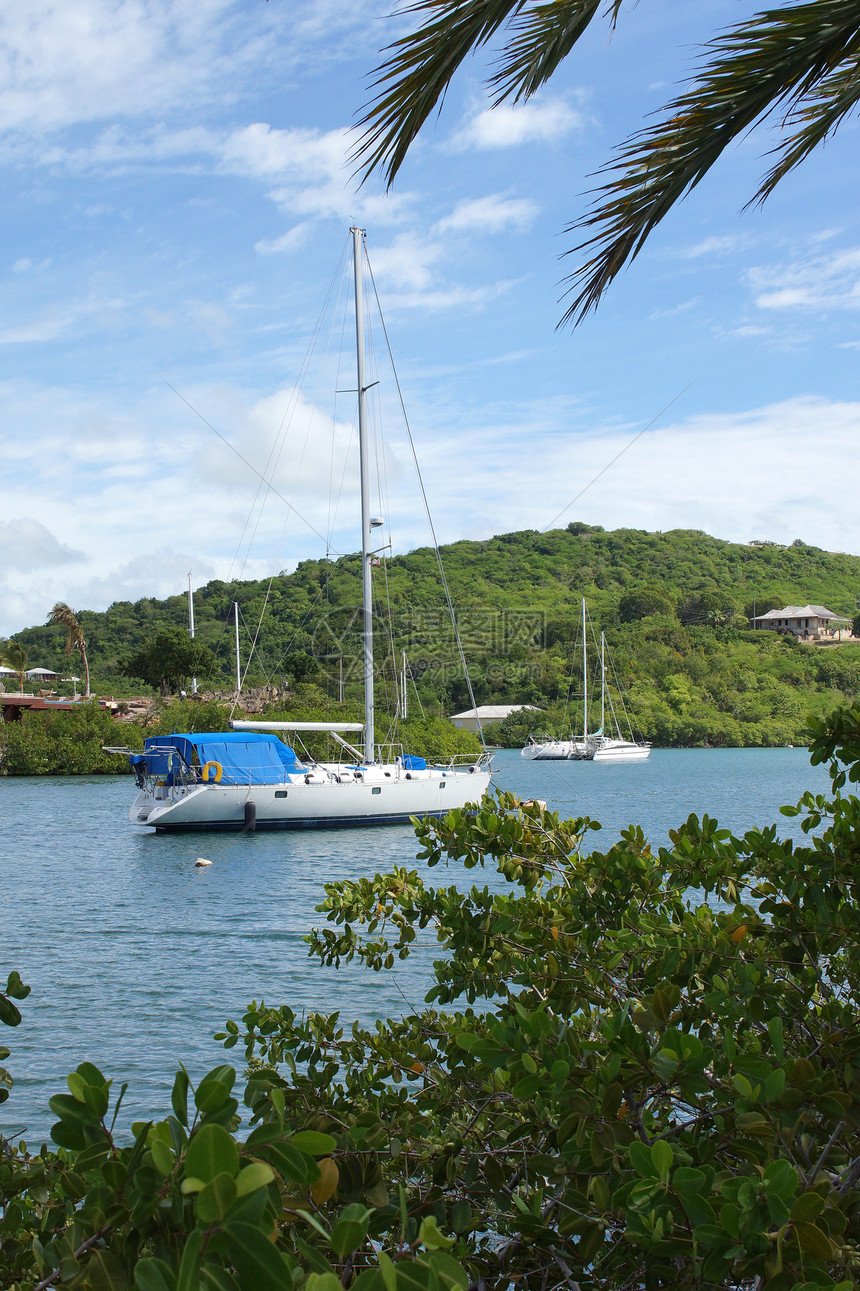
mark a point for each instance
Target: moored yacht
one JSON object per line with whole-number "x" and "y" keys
{"x": 249, "y": 778}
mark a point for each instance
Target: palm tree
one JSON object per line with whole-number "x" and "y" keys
{"x": 800, "y": 60}
{"x": 14, "y": 655}
{"x": 65, "y": 617}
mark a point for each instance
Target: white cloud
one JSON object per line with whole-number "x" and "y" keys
{"x": 542, "y": 120}
{"x": 407, "y": 262}
{"x": 713, "y": 247}
{"x": 27, "y": 545}
{"x": 767, "y": 472}
{"x": 682, "y": 308}
{"x": 814, "y": 283}
{"x": 57, "y": 321}
{"x": 294, "y": 238}
{"x": 489, "y": 215}
{"x": 67, "y": 62}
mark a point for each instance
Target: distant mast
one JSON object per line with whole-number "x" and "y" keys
{"x": 584, "y": 677}
{"x": 238, "y": 664}
{"x": 366, "y": 583}
{"x": 191, "y": 626}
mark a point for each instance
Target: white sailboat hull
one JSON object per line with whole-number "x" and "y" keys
{"x": 620, "y": 751}
{"x": 555, "y": 751}
{"x": 330, "y": 797}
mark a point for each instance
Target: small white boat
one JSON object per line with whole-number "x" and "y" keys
{"x": 248, "y": 778}
{"x": 595, "y": 746}
{"x": 608, "y": 750}
{"x": 542, "y": 749}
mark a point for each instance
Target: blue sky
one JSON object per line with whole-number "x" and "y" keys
{"x": 177, "y": 195}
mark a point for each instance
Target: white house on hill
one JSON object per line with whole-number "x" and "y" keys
{"x": 473, "y": 718}
{"x": 811, "y": 622}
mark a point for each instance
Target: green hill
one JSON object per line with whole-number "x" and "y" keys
{"x": 675, "y": 607}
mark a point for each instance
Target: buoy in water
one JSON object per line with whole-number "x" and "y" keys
{"x": 201, "y": 863}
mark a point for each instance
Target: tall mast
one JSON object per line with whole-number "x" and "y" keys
{"x": 602, "y": 682}
{"x": 366, "y": 585}
{"x": 191, "y": 626}
{"x": 238, "y": 664}
{"x": 584, "y": 677}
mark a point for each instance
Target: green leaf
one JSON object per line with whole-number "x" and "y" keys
{"x": 323, "y": 1282}
{"x": 9, "y": 1014}
{"x": 641, "y": 1159}
{"x": 211, "y": 1151}
{"x": 430, "y": 1237}
{"x": 663, "y": 1157}
{"x": 253, "y": 1176}
{"x": 219, "y": 1279}
{"x": 179, "y": 1097}
{"x": 388, "y": 1270}
{"x": 189, "y": 1266}
{"x": 350, "y": 1231}
{"x": 781, "y": 1178}
{"x": 289, "y": 1162}
{"x": 415, "y": 1275}
{"x": 105, "y": 1272}
{"x": 808, "y": 1206}
{"x": 211, "y": 1095}
{"x": 313, "y": 1143}
{"x": 812, "y": 1241}
{"x": 258, "y": 1263}
{"x": 162, "y": 1157}
{"x": 153, "y": 1275}
{"x": 685, "y": 1179}
{"x": 449, "y": 1272}
{"x": 216, "y": 1199}
{"x": 15, "y": 987}
{"x": 71, "y": 1111}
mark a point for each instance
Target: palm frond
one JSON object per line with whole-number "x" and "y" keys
{"x": 821, "y": 111}
{"x": 543, "y": 38}
{"x": 64, "y": 616}
{"x": 780, "y": 57}
{"x": 413, "y": 80}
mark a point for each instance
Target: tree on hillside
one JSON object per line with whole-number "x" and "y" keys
{"x": 65, "y": 617}
{"x": 640, "y": 602}
{"x": 15, "y": 656}
{"x": 711, "y": 608}
{"x": 168, "y": 660}
{"x": 798, "y": 60}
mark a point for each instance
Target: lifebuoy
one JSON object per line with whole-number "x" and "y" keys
{"x": 218, "y": 771}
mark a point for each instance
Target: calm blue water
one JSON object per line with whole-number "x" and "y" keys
{"x": 135, "y": 958}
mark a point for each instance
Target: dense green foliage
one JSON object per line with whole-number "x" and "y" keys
{"x": 650, "y": 1078}
{"x": 72, "y": 742}
{"x": 675, "y": 607}
{"x": 169, "y": 660}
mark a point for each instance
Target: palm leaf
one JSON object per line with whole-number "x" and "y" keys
{"x": 542, "y": 39}
{"x": 800, "y": 57}
{"x": 417, "y": 75}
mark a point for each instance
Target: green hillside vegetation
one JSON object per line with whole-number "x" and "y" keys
{"x": 675, "y": 607}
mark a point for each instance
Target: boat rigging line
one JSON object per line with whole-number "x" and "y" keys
{"x": 636, "y": 437}
{"x": 250, "y": 465}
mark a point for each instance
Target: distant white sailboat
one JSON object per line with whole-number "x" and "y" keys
{"x": 541, "y": 749}
{"x": 596, "y": 746}
{"x": 248, "y": 778}
{"x": 607, "y": 748}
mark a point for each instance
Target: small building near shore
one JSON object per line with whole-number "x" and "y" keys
{"x": 808, "y": 622}
{"x": 474, "y": 718}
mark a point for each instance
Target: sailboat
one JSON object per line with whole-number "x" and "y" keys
{"x": 608, "y": 748}
{"x": 596, "y": 746}
{"x": 249, "y": 778}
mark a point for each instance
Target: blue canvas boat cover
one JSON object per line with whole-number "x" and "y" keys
{"x": 245, "y": 757}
